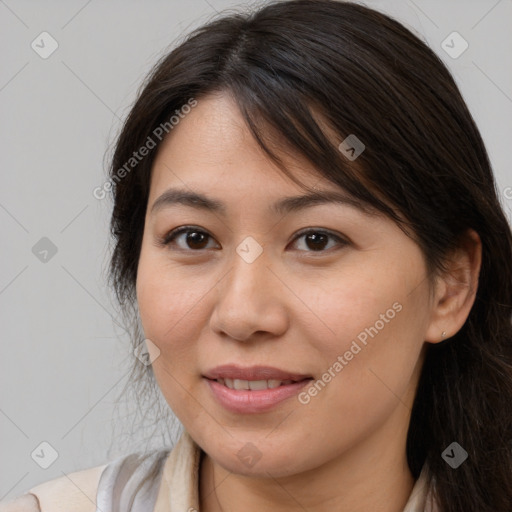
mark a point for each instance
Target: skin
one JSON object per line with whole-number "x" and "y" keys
{"x": 293, "y": 308}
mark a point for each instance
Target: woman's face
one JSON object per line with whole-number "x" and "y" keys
{"x": 346, "y": 304}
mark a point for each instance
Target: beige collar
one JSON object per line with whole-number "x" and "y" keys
{"x": 180, "y": 489}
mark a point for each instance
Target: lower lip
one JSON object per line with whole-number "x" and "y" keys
{"x": 245, "y": 401}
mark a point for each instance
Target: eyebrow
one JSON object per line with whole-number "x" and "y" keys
{"x": 175, "y": 196}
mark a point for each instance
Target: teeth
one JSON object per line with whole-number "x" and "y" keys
{"x": 240, "y": 384}
{"x": 253, "y": 385}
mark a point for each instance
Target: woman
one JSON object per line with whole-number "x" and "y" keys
{"x": 306, "y": 219}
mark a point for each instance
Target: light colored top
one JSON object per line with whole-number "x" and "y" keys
{"x": 121, "y": 486}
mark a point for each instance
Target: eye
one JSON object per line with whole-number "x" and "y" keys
{"x": 317, "y": 239}
{"x": 196, "y": 239}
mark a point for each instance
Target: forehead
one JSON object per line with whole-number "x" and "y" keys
{"x": 211, "y": 159}
{"x": 213, "y": 148}
{"x": 213, "y": 140}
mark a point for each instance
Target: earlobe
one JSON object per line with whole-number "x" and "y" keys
{"x": 456, "y": 289}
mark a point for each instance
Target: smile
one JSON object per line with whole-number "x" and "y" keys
{"x": 253, "y": 385}
{"x": 253, "y": 396}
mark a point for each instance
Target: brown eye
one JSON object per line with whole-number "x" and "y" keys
{"x": 316, "y": 240}
{"x": 194, "y": 239}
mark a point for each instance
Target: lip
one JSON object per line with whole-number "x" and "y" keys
{"x": 232, "y": 371}
{"x": 243, "y": 401}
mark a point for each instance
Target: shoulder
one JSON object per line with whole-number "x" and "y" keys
{"x": 86, "y": 490}
{"x": 25, "y": 503}
{"x": 75, "y": 491}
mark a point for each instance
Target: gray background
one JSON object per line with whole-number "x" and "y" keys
{"x": 64, "y": 359}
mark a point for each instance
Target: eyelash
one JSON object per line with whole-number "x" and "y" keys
{"x": 172, "y": 235}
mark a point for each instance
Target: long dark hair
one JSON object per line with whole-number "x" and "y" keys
{"x": 362, "y": 73}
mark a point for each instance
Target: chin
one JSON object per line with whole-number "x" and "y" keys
{"x": 262, "y": 468}
{"x": 249, "y": 460}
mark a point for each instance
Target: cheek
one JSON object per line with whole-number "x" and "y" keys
{"x": 169, "y": 311}
{"x": 368, "y": 333}
{"x": 345, "y": 307}
{"x": 169, "y": 305}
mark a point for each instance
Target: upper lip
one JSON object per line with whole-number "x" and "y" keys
{"x": 231, "y": 371}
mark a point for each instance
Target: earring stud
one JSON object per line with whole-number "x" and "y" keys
{"x": 443, "y": 334}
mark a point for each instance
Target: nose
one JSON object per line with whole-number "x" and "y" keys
{"x": 250, "y": 303}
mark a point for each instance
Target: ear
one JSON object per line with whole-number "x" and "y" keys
{"x": 455, "y": 290}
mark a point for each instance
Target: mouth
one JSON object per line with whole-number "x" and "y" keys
{"x": 256, "y": 385}
{"x": 253, "y": 390}
{"x": 237, "y": 377}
